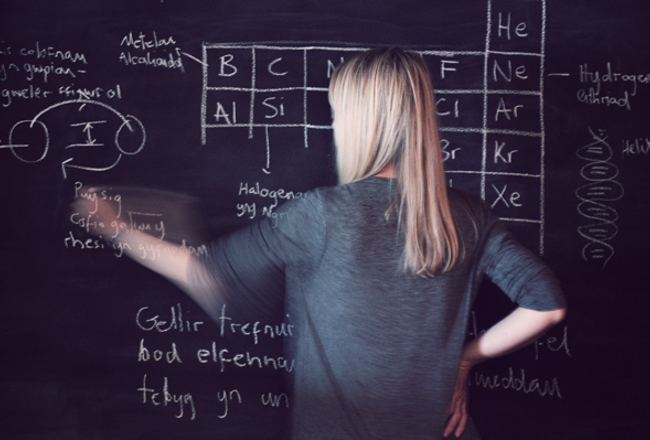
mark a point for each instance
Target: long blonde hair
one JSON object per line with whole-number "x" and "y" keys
{"x": 384, "y": 115}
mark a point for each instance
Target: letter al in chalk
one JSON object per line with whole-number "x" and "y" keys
{"x": 221, "y": 113}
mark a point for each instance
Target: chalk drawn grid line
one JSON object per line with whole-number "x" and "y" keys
{"x": 486, "y": 91}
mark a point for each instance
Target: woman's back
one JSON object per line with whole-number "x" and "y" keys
{"x": 378, "y": 307}
{"x": 376, "y": 349}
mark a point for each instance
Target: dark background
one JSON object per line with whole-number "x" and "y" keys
{"x": 69, "y": 341}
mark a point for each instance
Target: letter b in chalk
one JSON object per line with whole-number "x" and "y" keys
{"x": 226, "y": 68}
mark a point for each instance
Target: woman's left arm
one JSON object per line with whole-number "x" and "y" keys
{"x": 175, "y": 265}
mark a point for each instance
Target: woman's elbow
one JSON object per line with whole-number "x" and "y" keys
{"x": 556, "y": 316}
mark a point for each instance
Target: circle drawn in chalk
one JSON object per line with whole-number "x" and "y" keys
{"x": 133, "y": 136}
{"x": 33, "y": 141}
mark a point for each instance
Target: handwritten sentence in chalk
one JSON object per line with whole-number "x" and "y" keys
{"x": 185, "y": 405}
{"x": 148, "y": 320}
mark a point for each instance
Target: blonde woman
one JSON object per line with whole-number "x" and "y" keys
{"x": 381, "y": 271}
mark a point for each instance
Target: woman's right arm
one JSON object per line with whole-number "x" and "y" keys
{"x": 175, "y": 264}
{"x": 529, "y": 283}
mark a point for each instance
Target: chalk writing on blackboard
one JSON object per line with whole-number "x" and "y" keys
{"x": 639, "y": 146}
{"x": 517, "y": 379}
{"x": 260, "y": 200}
{"x": 151, "y": 51}
{"x": 149, "y": 320}
{"x": 253, "y": 329}
{"x": 176, "y": 320}
{"x": 163, "y": 396}
{"x": 517, "y": 382}
{"x": 30, "y": 92}
{"x": 39, "y": 62}
{"x": 223, "y": 357}
{"x": 29, "y": 140}
{"x": 183, "y": 405}
{"x": 33, "y": 66}
{"x": 228, "y": 396}
{"x": 489, "y": 102}
{"x": 170, "y": 356}
{"x": 597, "y": 80}
{"x": 161, "y": 390}
{"x": 595, "y": 198}
{"x": 129, "y": 220}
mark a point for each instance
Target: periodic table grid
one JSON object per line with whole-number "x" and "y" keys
{"x": 484, "y": 129}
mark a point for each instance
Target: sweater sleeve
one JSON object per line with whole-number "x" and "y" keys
{"x": 248, "y": 266}
{"x": 521, "y": 274}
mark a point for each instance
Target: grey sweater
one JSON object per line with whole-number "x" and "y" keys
{"x": 376, "y": 350}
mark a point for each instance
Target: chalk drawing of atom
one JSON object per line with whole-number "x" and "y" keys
{"x": 96, "y": 132}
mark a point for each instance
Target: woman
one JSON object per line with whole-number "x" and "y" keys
{"x": 381, "y": 271}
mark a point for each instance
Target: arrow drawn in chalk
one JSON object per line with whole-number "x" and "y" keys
{"x": 66, "y": 164}
{"x": 195, "y": 59}
{"x": 87, "y": 128}
{"x": 268, "y": 151}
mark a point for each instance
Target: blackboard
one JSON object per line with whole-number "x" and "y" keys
{"x": 221, "y": 108}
